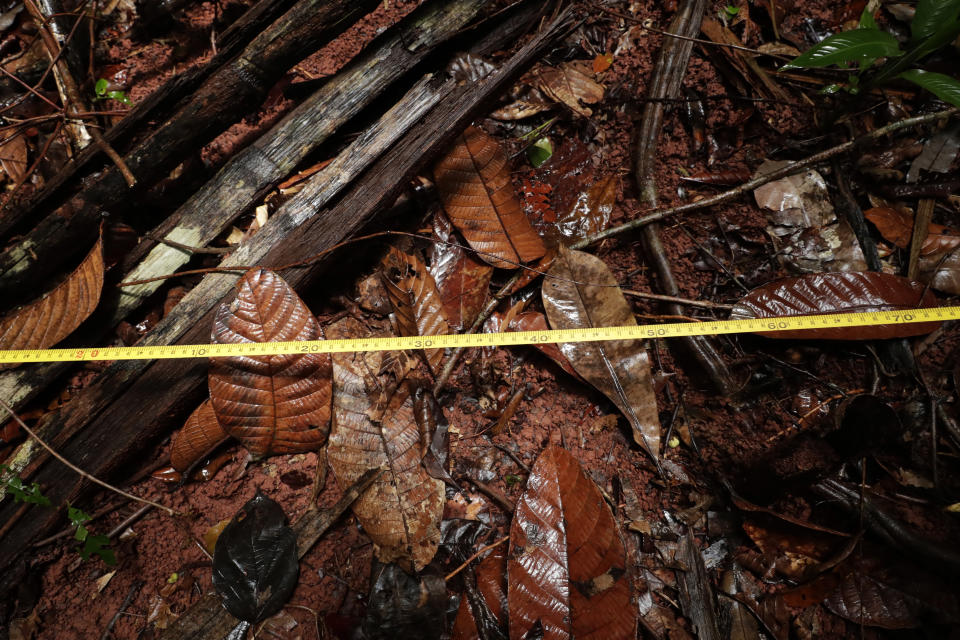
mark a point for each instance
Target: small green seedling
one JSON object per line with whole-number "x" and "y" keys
{"x": 20, "y": 491}
{"x": 103, "y": 94}
{"x": 935, "y": 25}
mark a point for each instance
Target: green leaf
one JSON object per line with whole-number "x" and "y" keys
{"x": 97, "y": 545}
{"x": 731, "y": 10}
{"x": 867, "y": 21}
{"x": 20, "y": 491}
{"x": 120, "y": 96}
{"x": 76, "y": 516}
{"x": 540, "y": 151}
{"x": 850, "y": 46}
{"x": 943, "y": 86}
{"x": 101, "y": 87}
{"x": 931, "y": 16}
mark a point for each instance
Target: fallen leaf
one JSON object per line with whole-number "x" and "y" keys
{"x": 52, "y": 318}
{"x": 491, "y": 587}
{"x": 272, "y": 404}
{"x": 896, "y": 226}
{"x": 581, "y": 292}
{"x": 416, "y": 303}
{"x": 571, "y": 84}
{"x": 462, "y": 280}
{"x": 25, "y": 628}
{"x": 280, "y": 626}
{"x": 374, "y": 426}
{"x": 13, "y": 156}
{"x": 434, "y": 434}
{"x": 200, "y": 434}
{"x": 937, "y": 155}
{"x": 159, "y": 613}
{"x": 255, "y": 562}
{"x": 865, "y": 597}
{"x": 473, "y": 182}
{"x": 104, "y": 580}
{"x": 567, "y": 566}
{"x": 803, "y": 225}
{"x": 211, "y": 535}
{"x": 590, "y": 212}
{"x": 536, "y": 321}
{"x": 824, "y": 293}
{"x": 405, "y": 607}
{"x": 602, "y": 62}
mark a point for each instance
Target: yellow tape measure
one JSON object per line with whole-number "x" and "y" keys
{"x": 639, "y": 332}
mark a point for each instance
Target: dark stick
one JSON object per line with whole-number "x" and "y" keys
{"x": 134, "y": 588}
{"x": 667, "y": 77}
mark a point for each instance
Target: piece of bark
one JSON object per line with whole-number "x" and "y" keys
{"x": 156, "y": 107}
{"x": 105, "y": 427}
{"x": 665, "y": 84}
{"x": 206, "y": 619}
{"x": 236, "y": 88}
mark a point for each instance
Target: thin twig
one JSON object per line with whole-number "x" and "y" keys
{"x": 479, "y": 553}
{"x": 188, "y": 248}
{"x": 115, "y": 157}
{"x": 793, "y": 167}
{"x": 77, "y": 469}
{"x": 706, "y": 304}
{"x": 136, "y": 586}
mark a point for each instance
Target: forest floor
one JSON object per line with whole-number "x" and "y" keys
{"x": 744, "y": 472}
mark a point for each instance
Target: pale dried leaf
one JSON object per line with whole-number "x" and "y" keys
{"x": 571, "y": 84}
{"x": 13, "y": 156}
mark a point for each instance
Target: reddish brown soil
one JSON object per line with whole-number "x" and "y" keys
{"x": 719, "y": 438}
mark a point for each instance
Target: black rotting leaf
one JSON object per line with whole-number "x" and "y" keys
{"x": 404, "y": 606}
{"x": 255, "y": 563}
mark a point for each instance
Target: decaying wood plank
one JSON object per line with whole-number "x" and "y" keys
{"x": 156, "y": 107}
{"x": 227, "y": 95}
{"x": 106, "y": 426}
{"x": 206, "y": 619}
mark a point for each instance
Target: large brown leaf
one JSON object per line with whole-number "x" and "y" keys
{"x": 897, "y": 227}
{"x": 571, "y": 84}
{"x": 839, "y": 293}
{"x": 272, "y": 404}
{"x": 52, "y": 318}
{"x": 199, "y": 435}
{"x": 417, "y": 304}
{"x": 567, "y": 567}
{"x": 580, "y": 292}
{"x": 463, "y": 281}
{"x": 473, "y": 181}
{"x": 374, "y": 426}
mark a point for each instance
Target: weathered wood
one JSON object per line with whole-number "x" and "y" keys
{"x": 206, "y": 619}
{"x": 238, "y": 184}
{"x": 107, "y": 424}
{"x": 156, "y": 107}
{"x": 226, "y": 96}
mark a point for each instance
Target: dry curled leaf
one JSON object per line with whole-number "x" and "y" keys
{"x": 567, "y": 567}
{"x": 462, "y": 280}
{"x": 571, "y": 84}
{"x": 13, "y": 156}
{"x": 200, "y": 434}
{"x": 374, "y": 426}
{"x": 824, "y": 293}
{"x": 580, "y": 292}
{"x": 272, "y": 404}
{"x": 473, "y": 182}
{"x": 416, "y": 302}
{"x": 52, "y": 318}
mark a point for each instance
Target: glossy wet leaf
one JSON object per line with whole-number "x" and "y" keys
{"x": 462, "y": 279}
{"x": 536, "y": 321}
{"x": 416, "y": 301}
{"x": 845, "y": 292}
{"x": 434, "y": 434}
{"x": 566, "y": 568}
{"x": 931, "y": 16}
{"x": 943, "y": 86}
{"x": 591, "y": 211}
{"x": 539, "y": 152}
{"x": 473, "y": 181}
{"x": 850, "y": 46}
{"x": 404, "y": 607}
{"x": 491, "y": 586}
{"x": 571, "y": 84}
{"x": 199, "y": 435}
{"x": 865, "y": 597}
{"x": 374, "y": 426}
{"x": 581, "y": 292}
{"x": 255, "y": 564}
{"x": 897, "y": 227}
{"x": 56, "y": 315}
{"x": 272, "y": 404}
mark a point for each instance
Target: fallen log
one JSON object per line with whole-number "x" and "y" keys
{"x": 271, "y": 158}
{"x": 157, "y": 107}
{"x": 106, "y": 426}
{"x": 227, "y": 95}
